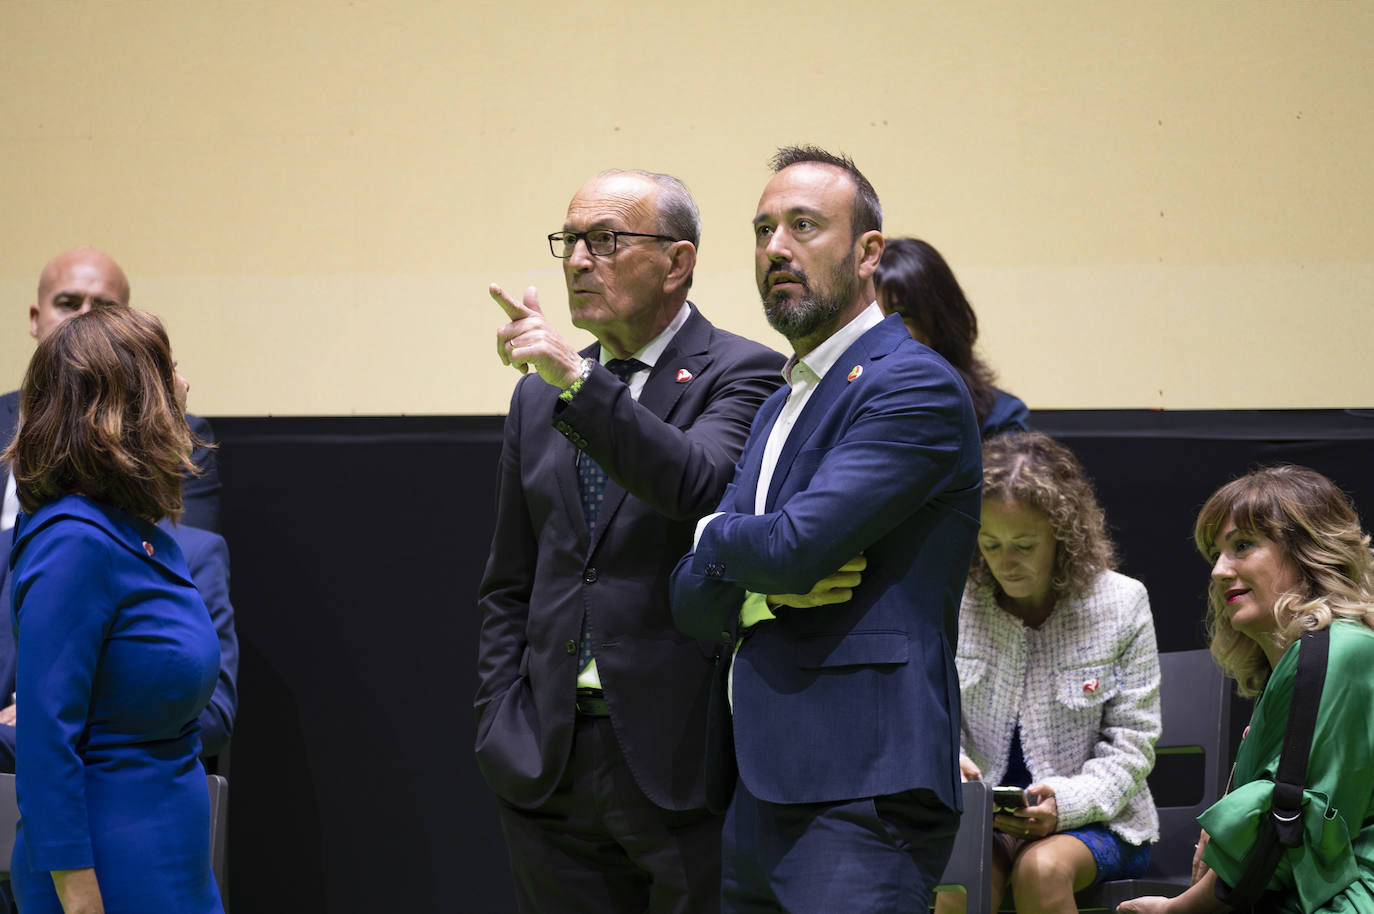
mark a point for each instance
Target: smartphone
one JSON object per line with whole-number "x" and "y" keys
{"x": 1009, "y": 798}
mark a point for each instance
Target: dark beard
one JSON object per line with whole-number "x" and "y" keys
{"x": 813, "y": 310}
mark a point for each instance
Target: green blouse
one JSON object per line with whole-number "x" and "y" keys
{"x": 1333, "y": 869}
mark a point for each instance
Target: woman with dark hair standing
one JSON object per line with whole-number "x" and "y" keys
{"x": 117, "y": 655}
{"x": 1289, "y": 556}
{"x": 915, "y": 283}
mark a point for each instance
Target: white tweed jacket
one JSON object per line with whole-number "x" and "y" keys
{"x": 1085, "y": 687}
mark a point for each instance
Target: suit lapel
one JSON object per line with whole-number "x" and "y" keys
{"x": 751, "y": 464}
{"x": 877, "y": 342}
{"x": 677, "y": 368}
{"x": 681, "y": 363}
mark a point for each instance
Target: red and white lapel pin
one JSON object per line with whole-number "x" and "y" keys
{"x": 683, "y": 376}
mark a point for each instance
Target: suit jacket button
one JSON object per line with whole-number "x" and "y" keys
{"x": 724, "y": 636}
{"x": 589, "y": 576}
{"x": 570, "y": 646}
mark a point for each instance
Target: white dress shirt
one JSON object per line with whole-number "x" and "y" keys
{"x": 11, "y": 508}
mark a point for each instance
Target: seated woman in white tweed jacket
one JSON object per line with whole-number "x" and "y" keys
{"x": 1060, "y": 679}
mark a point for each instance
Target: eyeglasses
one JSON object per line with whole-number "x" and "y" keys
{"x": 601, "y": 242}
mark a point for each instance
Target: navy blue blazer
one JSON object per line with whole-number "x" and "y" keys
{"x": 207, "y": 557}
{"x": 7, "y": 655}
{"x": 668, "y": 456}
{"x": 199, "y": 494}
{"x": 1008, "y": 414}
{"x": 862, "y": 698}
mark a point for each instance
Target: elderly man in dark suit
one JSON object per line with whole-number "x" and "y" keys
{"x": 834, "y": 566}
{"x": 591, "y": 706}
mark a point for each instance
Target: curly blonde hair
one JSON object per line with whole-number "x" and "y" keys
{"x": 1316, "y": 527}
{"x": 1035, "y": 470}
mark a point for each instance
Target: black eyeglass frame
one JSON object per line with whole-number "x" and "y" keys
{"x": 558, "y": 239}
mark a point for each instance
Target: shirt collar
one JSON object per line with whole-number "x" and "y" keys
{"x": 654, "y": 348}
{"x": 823, "y": 357}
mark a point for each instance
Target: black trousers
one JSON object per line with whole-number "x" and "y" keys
{"x": 600, "y": 846}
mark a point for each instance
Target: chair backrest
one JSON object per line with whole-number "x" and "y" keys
{"x": 9, "y": 821}
{"x": 1191, "y": 756}
{"x": 219, "y": 833}
{"x": 970, "y": 862}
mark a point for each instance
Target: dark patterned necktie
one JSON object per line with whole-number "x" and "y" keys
{"x": 592, "y": 483}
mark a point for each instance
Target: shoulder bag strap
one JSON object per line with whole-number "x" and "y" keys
{"x": 1283, "y": 828}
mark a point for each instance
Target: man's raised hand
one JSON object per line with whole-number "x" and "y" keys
{"x": 529, "y": 342}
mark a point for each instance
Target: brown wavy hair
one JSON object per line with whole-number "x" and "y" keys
{"x": 98, "y": 416}
{"x": 1316, "y": 527}
{"x": 1037, "y": 471}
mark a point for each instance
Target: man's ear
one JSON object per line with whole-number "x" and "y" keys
{"x": 869, "y": 248}
{"x": 682, "y": 257}
{"x": 33, "y": 320}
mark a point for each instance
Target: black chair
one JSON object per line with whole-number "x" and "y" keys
{"x": 1190, "y": 773}
{"x": 9, "y": 820}
{"x": 968, "y": 870}
{"x": 219, "y": 834}
{"x": 219, "y": 819}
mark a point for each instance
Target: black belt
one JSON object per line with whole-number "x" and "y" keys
{"x": 592, "y": 703}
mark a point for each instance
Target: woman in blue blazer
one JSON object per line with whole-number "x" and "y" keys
{"x": 116, "y": 651}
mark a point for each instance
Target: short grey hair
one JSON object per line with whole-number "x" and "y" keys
{"x": 678, "y": 215}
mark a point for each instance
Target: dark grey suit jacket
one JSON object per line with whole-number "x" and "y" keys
{"x": 669, "y": 457}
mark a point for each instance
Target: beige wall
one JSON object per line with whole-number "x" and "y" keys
{"x": 1168, "y": 203}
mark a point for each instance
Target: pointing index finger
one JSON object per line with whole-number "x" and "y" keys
{"x": 514, "y": 310}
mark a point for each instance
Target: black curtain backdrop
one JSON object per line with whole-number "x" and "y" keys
{"x": 358, "y": 544}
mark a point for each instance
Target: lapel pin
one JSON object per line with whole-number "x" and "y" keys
{"x": 148, "y": 548}
{"x": 683, "y": 376}
{"x": 1091, "y": 685}
{"x": 855, "y": 372}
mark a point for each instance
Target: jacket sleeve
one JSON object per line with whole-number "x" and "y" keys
{"x": 1125, "y": 750}
{"x": 63, "y": 622}
{"x": 679, "y": 472}
{"x": 209, "y": 565}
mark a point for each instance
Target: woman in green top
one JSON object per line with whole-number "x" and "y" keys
{"x": 1289, "y": 556}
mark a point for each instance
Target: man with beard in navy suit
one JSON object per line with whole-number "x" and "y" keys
{"x": 834, "y": 566}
